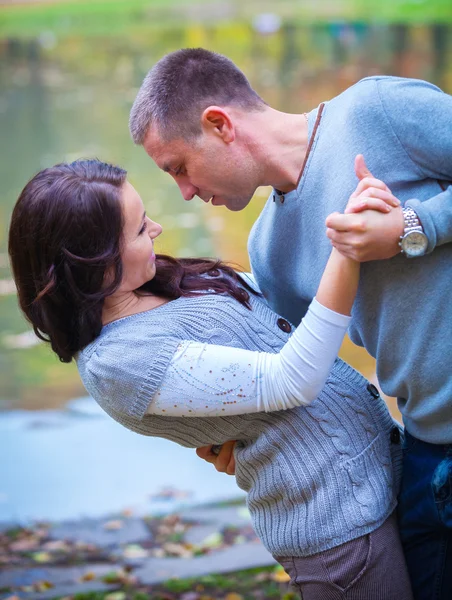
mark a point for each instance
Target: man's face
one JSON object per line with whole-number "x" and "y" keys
{"x": 207, "y": 167}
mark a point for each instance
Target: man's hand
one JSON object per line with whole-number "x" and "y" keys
{"x": 363, "y": 234}
{"x": 224, "y": 462}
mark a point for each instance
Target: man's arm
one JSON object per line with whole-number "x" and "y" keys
{"x": 223, "y": 461}
{"x": 420, "y": 115}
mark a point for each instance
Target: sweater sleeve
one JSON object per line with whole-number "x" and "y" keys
{"x": 420, "y": 115}
{"x": 209, "y": 380}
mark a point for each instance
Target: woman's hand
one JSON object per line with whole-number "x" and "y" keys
{"x": 370, "y": 193}
{"x": 372, "y": 223}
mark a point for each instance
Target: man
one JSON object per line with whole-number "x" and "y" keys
{"x": 198, "y": 118}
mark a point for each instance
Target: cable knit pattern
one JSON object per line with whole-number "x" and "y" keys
{"x": 316, "y": 476}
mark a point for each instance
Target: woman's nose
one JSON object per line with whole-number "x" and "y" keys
{"x": 155, "y": 229}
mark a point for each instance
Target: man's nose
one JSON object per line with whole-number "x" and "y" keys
{"x": 187, "y": 189}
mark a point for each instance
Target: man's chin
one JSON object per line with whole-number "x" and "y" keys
{"x": 235, "y": 204}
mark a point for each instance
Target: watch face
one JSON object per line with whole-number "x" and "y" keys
{"x": 414, "y": 243}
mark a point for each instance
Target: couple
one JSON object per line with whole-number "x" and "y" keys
{"x": 153, "y": 336}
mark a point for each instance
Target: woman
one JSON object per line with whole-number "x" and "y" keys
{"x": 187, "y": 350}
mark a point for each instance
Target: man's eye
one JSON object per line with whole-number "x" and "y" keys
{"x": 178, "y": 171}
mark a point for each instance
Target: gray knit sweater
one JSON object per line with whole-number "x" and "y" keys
{"x": 403, "y": 310}
{"x": 316, "y": 476}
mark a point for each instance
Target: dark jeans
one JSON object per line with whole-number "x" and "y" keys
{"x": 425, "y": 517}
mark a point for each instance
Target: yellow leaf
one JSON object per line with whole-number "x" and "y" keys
{"x": 88, "y": 576}
{"x": 41, "y": 557}
{"x": 233, "y": 597}
{"x": 116, "y": 596}
{"x": 43, "y": 586}
{"x": 280, "y": 576}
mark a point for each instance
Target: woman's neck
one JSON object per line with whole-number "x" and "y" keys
{"x": 126, "y": 304}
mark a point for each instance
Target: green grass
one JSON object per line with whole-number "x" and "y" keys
{"x": 87, "y": 17}
{"x": 111, "y": 17}
{"x": 248, "y": 585}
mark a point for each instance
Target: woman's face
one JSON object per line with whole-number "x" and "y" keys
{"x": 137, "y": 253}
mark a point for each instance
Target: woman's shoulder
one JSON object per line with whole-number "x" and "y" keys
{"x": 123, "y": 367}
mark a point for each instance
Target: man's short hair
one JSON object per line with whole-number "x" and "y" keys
{"x": 181, "y": 86}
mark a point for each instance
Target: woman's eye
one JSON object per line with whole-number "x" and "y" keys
{"x": 143, "y": 229}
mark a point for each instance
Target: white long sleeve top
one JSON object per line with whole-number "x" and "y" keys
{"x": 206, "y": 380}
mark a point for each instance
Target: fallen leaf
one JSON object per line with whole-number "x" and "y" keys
{"x": 41, "y": 557}
{"x": 43, "y": 586}
{"x": 260, "y": 577}
{"x": 280, "y": 576}
{"x": 88, "y": 576}
{"x": 177, "y": 550}
{"x": 24, "y": 545}
{"x": 135, "y": 551}
{"x": 55, "y": 546}
{"x": 114, "y": 525}
{"x": 115, "y": 596}
{"x": 240, "y": 539}
{"x": 119, "y": 576}
{"x": 213, "y": 541}
{"x": 244, "y": 512}
{"x": 233, "y": 596}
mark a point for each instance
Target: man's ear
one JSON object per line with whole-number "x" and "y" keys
{"x": 217, "y": 121}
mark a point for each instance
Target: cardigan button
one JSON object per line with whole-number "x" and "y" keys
{"x": 373, "y": 390}
{"x": 395, "y": 435}
{"x": 244, "y": 295}
{"x": 284, "y": 325}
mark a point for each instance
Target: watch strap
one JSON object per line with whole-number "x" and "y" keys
{"x": 412, "y": 222}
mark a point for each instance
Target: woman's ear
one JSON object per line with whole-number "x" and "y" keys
{"x": 217, "y": 121}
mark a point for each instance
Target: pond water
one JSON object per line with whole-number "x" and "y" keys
{"x": 68, "y": 95}
{"x": 77, "y": 462}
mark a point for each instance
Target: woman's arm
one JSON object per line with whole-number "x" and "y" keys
{"x": 211, "y": 380}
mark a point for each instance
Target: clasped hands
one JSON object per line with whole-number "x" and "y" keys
{"x": 369, "y": 229}
{"x": 372, "y": 223}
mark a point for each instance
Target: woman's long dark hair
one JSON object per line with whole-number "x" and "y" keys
{"x": 66, "y": 234}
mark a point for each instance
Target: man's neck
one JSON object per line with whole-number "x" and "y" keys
{"x": 280, "y": 147}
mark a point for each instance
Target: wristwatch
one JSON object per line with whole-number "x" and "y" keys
{"x": 413, "y": 242}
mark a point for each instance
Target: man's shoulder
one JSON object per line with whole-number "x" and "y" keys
{"x": 386, "y": 96}
{"x": 388, "y": 87}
